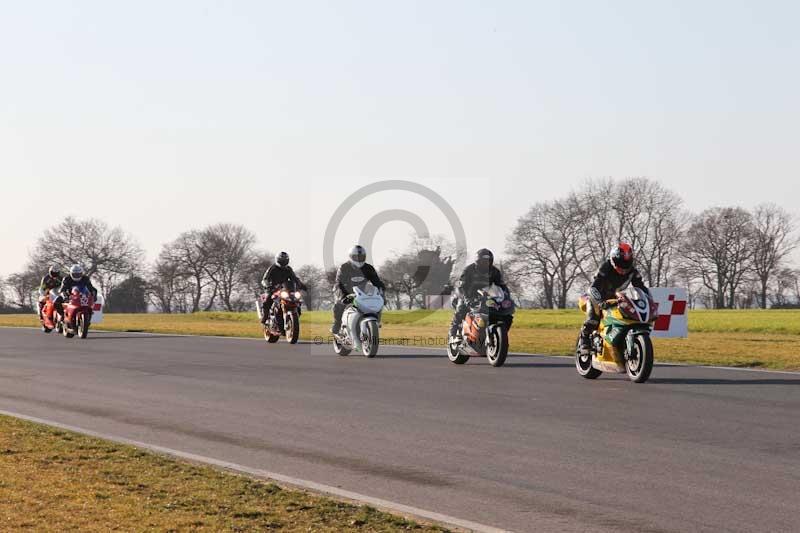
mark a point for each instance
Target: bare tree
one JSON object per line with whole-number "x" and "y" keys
{"x": 652, "y": 218}
{"x": 106, "y": 253}
{"x": 398, "y": 274}
{"x": 166, "y": 284}
{"x": 782, "y": 285}
{"x": 601, "y": 228}
{"x": 774, "y": 240}
{"x": 253, "y": 272}
{"x": 190, "y": 255}
{"x": 21, "y": 286}
{"x": 318, "y": 291}
{"x": 718, "y": 249}
{"x": 547, "y": 246}
{"x": 229, "y": 249}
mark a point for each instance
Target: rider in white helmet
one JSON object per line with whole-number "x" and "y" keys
{"x": 76, "y": 278}
{"x": 354, "y": 273}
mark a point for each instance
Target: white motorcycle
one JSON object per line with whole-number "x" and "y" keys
{"x": 360, "y": 322}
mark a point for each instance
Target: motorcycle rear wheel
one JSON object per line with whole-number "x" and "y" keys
{"x": 640, "y": 363}
{"x": 583, "y": 363}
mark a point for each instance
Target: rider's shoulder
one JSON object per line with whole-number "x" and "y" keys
{"x": 605, "y": 268}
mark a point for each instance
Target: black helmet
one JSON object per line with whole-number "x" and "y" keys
{"x": 484, "y": 259}
{"x": 621, "y": 258}
{"x": 282, "y": 259}
{"x": 358, "y": 255}
{"x": 54, "y": 272}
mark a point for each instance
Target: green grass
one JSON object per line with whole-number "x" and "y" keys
{"x": 758, "y": 338}
{"x": 54, "y": 480}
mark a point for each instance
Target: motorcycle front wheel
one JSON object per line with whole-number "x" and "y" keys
{"x": 583, "y": 363}
{"x": 454, "y": 351}
{"x": 269, "y": 336}
{"x": 640, "y": 361}
{"x": 371, "y": 341}
{"x": 339, "y": 347}
{"x": 497, "y": 347}
{"x": 292, "y": 328}
{"x": 83, "y": 326}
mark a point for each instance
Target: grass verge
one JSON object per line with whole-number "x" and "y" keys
{"x": 54, "y": 480}
{"x": 759, "y": 338}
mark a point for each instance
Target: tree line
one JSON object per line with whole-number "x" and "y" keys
{"x": 726, "y": 257}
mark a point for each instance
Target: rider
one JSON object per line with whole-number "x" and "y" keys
{"x": 476, "y": 276}
{"x": 614, "y": 274}
{"x": 50, "y": 282}
{"x": 354, "y": 273}
{"x": 276, "y": 275}
{"x": 76, "y": 278}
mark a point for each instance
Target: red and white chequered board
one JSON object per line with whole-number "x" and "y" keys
{"x": 673, "y": 320}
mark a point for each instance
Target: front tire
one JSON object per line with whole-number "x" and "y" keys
{"x": 83, "y": 326}
{"x": 339, "y": 348}
{"x": 292, "y": 328}
{"x": 497, "y": 349}
{"x": 272, "y": 339}
{"x": 454, "y": 351}
{"x": 369, "y": 344}
{"x": 583, "y": 363}
{"x": 640, "y": 362}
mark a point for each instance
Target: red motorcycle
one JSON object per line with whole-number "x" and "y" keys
{"x": 284, "y": 318}
{"x": 78, "y": 309}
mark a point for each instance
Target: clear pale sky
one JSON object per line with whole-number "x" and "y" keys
{"x": 174, "y": 115}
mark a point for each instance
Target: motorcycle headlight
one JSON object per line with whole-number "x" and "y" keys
{"x": 285, "y": 295}
{"x": 491, "y": 303}
{"x": 298, "y": 295}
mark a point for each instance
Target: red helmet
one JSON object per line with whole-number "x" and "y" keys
{"x": 621, "y": 258}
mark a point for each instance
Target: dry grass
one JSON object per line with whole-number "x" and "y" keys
{"x": 766, "y": 339}
{"x": 53, "y": 480}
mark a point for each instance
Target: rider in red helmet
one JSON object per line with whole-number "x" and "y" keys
{"x": 614, "y": 274}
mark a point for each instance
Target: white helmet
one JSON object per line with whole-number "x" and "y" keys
{"x": 358, "y": 256}
{"x": 76, "y": 272}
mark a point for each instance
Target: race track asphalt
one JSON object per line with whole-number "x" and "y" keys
{"x": 527, "y": 447}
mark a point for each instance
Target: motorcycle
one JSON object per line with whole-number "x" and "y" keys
{"x": 622, "y": 341}
{"x": 48, "y": 317}
{"x": 360, "y": 323}
{"x": 484, "y": 331}
{"x": 78, "y": 308}
{"x": 284, "y": 318}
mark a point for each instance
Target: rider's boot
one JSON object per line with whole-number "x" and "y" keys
{"x": 586, "y": 340}
{"x": 336, "y": 326}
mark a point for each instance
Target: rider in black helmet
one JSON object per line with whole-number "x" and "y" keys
{"x": 50, "y": 282}
{"x": 476, "y": 276}
{"x": 355, "y": 272}
{"x": 276, "y": 275}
